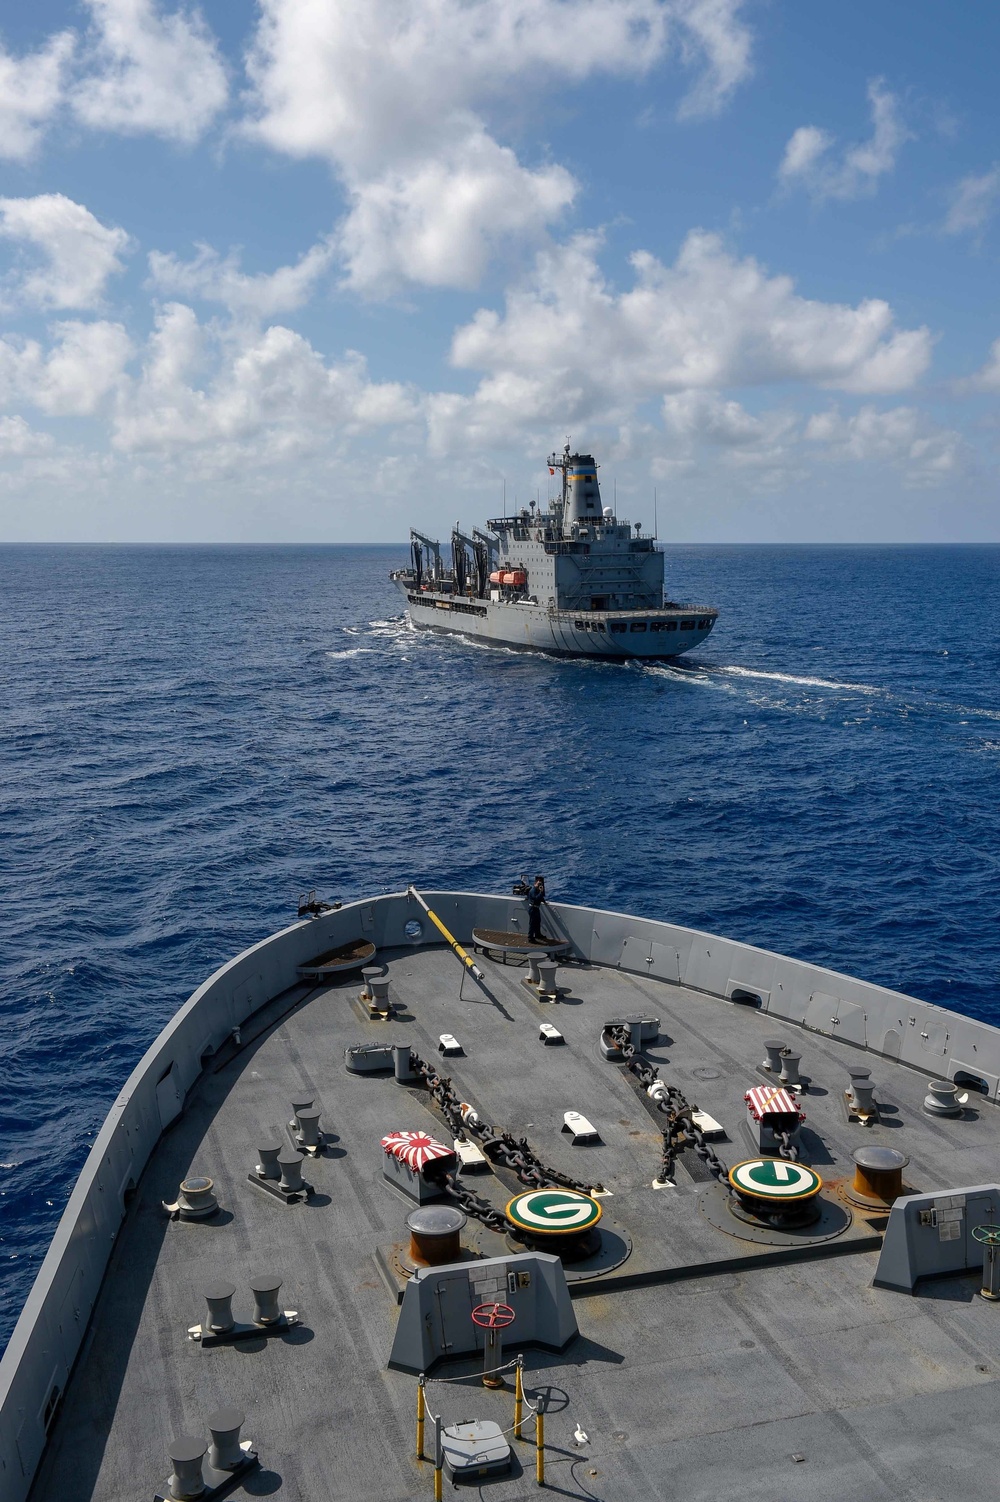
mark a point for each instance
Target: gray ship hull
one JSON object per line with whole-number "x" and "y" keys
{"x": 709, "y": 1362}
{"x": 645, "y": 634}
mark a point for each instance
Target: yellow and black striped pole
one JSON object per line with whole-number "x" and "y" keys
{"x": 449, "y": 938}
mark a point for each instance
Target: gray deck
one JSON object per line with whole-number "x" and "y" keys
{"x": 700, "y": 1388}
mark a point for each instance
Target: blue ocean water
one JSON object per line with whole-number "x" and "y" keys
{"x": 192, "y": 736}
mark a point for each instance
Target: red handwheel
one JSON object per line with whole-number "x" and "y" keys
{"x": 493, "y": 1316}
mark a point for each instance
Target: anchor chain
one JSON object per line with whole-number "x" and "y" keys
{"x": 475, "y": 1206}
{"x": 788, "y": 1148}
{"x": 622, "y": 1039}
{"x": 681, "y": 1130}
{"x": 498, "y": 1146}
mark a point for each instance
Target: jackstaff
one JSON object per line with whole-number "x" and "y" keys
{"x": 463, "y": 955}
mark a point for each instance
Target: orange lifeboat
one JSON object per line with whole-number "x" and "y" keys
{"x": 496, "y": 577}
{"x": 517, "y": 578}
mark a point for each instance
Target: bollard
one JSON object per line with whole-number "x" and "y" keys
{"x": 421, "y": 1408}
{"x": 401, "y": 1063}
{"x": 533, "y": 978}
{"x": 368, "y": 974}
{"x": 379, "y": 988}
{"x": 790, "y": 1067}
{"x": 297, "y": 1106}
{"x": 196, "y": 1198}
{"x": 265, "y": 1298}
{"x": 540, "y": 1441}
{"x": 291, "y": 1173}
{"x": 438, "y": 1462}
{"x": 773, "y": 1061}
{"x": 518, "y": 1396}
{"x": 308, "y": 1127}
{"x": 863, "y": 1098}
{"x": 859, "y": 1074}
{"x": 268, "y": 1168}
{"x": 547, "y": 977}
{"x": 219, "y": 1297}
{"x": 224, "y": 1426}
{"x": 187, "y": 1452}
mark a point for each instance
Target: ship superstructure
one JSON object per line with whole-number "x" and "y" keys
{"x": 573, "y": 579}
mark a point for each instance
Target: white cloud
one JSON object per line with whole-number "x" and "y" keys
{"x": 707, "y": 417}
{"x": 988, "y": 379}
{"x": 903, "y": 437}
{"x": 569, "y": 347}
{"x": 397, "y": 97}
{"x": 79, "y": 252}
{"x": 73, "y": 378}
{"x": 238, "y": 397}
{"x": 154, "y": 71}
{"x": 810, "y": 162}
{"x": 718, "y": 40}
{"x": 19, "y": 441}
{"x": 439, "y": 221}
{"x": 30, "y": 93}
{"x": 974, "y": 201}
{"x": 215, "y": 278}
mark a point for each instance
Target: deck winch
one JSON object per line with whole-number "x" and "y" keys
{"x": 775, "y": 1192}
{"x": 562, "y": 1222}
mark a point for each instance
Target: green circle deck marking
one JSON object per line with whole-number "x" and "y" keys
{"x": 553, "y": 1212}
{"x": 775, "y": 1179}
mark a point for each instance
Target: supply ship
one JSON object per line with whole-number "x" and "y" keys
{"x": 400, "y": 1199}
{"x": 575, "y": 579}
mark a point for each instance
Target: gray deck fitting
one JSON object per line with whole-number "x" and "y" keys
{"x": 800, "y": 1087}
{"x": 288, "y": 1196}
{"x": 853, "y": 1119}
{"x": 315, "y": 1151}
{"x": 242, "y": 1331}
{"x": 217, "y": 1483}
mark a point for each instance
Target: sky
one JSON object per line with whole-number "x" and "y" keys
{"x": 320, "y": 270}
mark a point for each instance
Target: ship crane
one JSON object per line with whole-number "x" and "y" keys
{"x": 417, "y": 544}
{"x": 462, "y": 547}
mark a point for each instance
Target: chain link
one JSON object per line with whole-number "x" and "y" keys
{"x": 621, "y": 1036}
{"x": 681, "y": 1130}
{"x": 498, "y": 1146}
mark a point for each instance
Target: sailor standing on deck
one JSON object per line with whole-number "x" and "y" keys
{"x": 536, "y": 896}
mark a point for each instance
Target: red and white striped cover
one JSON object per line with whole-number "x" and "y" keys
{"x": 415, "y": 1148}
{"x": 771, "y": 1100}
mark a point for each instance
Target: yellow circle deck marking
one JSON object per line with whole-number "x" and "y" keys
{"x": 775, "y": 1179}
{"x": 553, "y": 1212}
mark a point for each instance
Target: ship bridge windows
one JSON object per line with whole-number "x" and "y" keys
{"x": 639, "y": 626}
{"x": 663, "y": 625}
{"x": 618, "y": 626}
{"x": 687, "y": 625}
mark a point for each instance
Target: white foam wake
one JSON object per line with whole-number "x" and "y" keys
{"x": 854, "y": 688}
